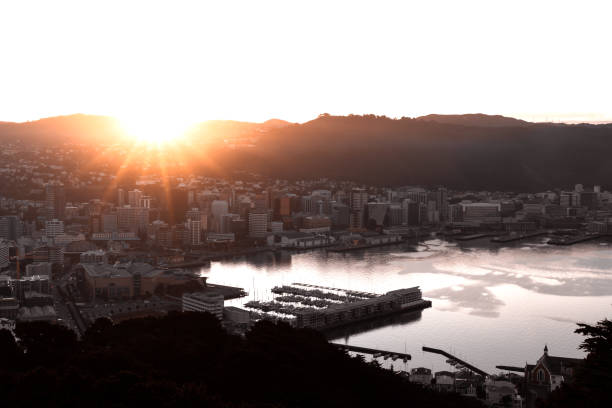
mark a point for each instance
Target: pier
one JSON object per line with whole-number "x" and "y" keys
{"x": 511, "y": 368}
{"x": 458, "y": 360}
{"x": 357, "y": 247}
{"x": 572, "y": 241}
{"x": 475, "y": 236}
{"x": 374, "y": 352}
{"x": 518, "y": 237}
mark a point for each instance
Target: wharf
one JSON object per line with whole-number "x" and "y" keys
{"x": 518, "y": 237}
{"x": 374, "y": 352}
{"x": 475, "y": 236}
{"x": 363, "y": 246}
{"x": 572, "y": 241}
{"x": 511, "y": 368}
{"x": 450, "y": 356}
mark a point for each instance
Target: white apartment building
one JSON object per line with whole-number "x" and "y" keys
{"x": 203, "y": 302}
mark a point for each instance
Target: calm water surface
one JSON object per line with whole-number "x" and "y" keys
{"x": 490, "y": 306}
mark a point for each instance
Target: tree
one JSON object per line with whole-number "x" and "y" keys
{"x": 592, "y": 385}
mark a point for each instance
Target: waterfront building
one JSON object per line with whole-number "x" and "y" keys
{"x": 346, "y": 313}
{"x": 455, "y": 213}
{"x": 481, "y": 212}
{"x": 376, "y": 214}
{"x": 315, "y": 224}
{"x": 203, "y": 302}
{"x": 421, "y": 375}
{"x": 126, "y": 280}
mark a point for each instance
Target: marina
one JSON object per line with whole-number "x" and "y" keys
{"x": 322, "y": 308}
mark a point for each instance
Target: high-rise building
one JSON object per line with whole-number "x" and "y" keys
{"x": 410, "y": 212}
{"x": 120, "y": 197}
{"x": 258, "y": 223}
{"x": 358, "y": 201}
{"x": 195, "y": 231}
{"x": 4, "y": 255}
{"x": 145, "y": 201}
{"x": 569, "y": 199}
{"x": 53, "y": 228}
{"x": 134, "y": 197}
{"x": 442, "y": 203}
{"x": 11, "y": 227}
{"x": 132, "y": 219}
{"x": 481, "y": 212}
{"x": 55, "y": 201}
{"x": 109, "y": 223}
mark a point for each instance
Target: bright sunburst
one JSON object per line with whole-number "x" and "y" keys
{"x": 155, "y": 130}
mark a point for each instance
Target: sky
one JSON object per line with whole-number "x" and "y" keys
{"x": 182, "y": 62}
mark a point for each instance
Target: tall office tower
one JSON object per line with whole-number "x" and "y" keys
{"x": 455, "y": 213}
{"x": 417, "y": 195}
{"x": 258, "y": 223}
{"x": 109, "y": 223}
{"x": 442, "y": 203}
{"x": 308, "y": 204}
{"x": 195, "y": 231}
{"x": 569, "y": 199}
{"x": 134, "y": 197}
{"x": 261, "y": 201}
{"x": 11, "y": 227}
{"x": 133, "y": 219}
{"x": 194, "y": 214}
{"x": 145, "y": 201}
{"x": 120, "y": 197}
{"x": 53, "y": 228}
{"x": 4, "y": 254}
{"x": 597, "y": 189}
{"x": 55, "y": 201}
{"x": 341, "y": 197}
{"x": 410, "y": 212}
{"x": 358, "y": 201}
{"x": 282, "y": 207}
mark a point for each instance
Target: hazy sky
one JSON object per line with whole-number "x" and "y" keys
{"x": 254, "y": 60}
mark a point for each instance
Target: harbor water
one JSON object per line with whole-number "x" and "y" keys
{"x": 492, "y": 305}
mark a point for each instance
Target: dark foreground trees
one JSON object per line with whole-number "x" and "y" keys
{"x": 189, "y": 360}
{"x": 592, "y": 386}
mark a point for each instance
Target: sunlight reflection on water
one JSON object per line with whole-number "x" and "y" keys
{"x": 494, "y": 306}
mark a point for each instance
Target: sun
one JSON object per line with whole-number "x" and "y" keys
{"x": 155, "y": 130}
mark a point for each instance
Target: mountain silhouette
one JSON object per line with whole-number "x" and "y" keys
{"x": 460, "y": 151}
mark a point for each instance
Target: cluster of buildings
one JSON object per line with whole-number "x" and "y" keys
{"x": 528, "y": 389}
{"x": 180, "y": 215}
